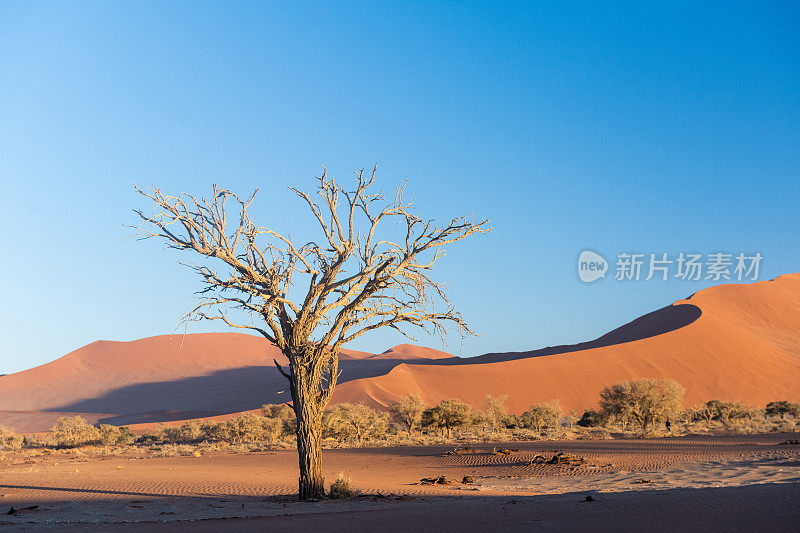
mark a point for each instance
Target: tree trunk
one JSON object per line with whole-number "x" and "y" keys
{"x": 309, "y": 433}
{"x": 309, "y": 450}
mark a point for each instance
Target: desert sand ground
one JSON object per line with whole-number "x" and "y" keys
{"x": 683, "y": 483}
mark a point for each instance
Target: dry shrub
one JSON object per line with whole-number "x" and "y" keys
{"x": 521, "y": 433}
{"x": 342, "y": 488}
{"x": 111, "y": 435}
{"x": 595, "y": 433}
{"x": 246, "y": 428}
{"x": 541, "y": 416}
{"x": 783, "y": 408}
{"x": 189, "y": 432}
{"x": 73, "y": 431}
{"x": 252, "y": 428}
{"x": 284, "y": 413}
{"x": 642, "y": 402}
{"x": 408, "y": 412}
{"x": 171, "y": 450}
{"x": 786, "y": 426}
{"x": 495, "y": 412}
{"x": 154, "y": 435}
{"x": 726, "y": 412}
{"x": 219, "y": 432}
{"x": 10, "y": 439}
{"x": 223, "y": 446}
{"x": 109, "y": 451}
{"x": 448, "y": 415}
{"x": 347, "y": 421}
{"x": 590, "y": 419}
{"x": 35, "y": 441}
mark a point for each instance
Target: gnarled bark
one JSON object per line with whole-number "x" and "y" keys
{"x": 308, "y": 407}
{"x": 309, "y": 437}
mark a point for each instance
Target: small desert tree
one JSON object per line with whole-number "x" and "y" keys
{"x": 642, "y": 401}
{"x": 449, "y": 414}
{"x": 73, "y": 431}
{"x": 590, "y": 419}
{"x": 10, "y": 439}
{"x": 345, "y": 420}
{"x": 188, "y": 432}
{"x": 408, "y": 411}
{"x": 541, "y": 415}
{"x": 704, "y": 412}
{"x": 110, "y": 435}
{"x": 495, "y": 411}
{"x": 281, "y": 412}
{"x": 726, "y": 412}
{"x": 249, "y": 427}
{"x": 370, "y": 269}
{"x": 783, "y": 408}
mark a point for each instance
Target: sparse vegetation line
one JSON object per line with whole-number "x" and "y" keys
{"x": 639, "y": 408}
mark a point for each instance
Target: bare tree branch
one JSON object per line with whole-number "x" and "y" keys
{"x": 359, "y": 278}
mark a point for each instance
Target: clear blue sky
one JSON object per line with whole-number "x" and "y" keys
{"x": 631, "y": 127}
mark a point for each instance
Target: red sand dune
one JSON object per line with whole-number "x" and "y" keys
{"x": 743, "y": 345}
{"x": 163, "y": 378}
{"x": 731, "y": 342}
{"x": 409, "y": 351}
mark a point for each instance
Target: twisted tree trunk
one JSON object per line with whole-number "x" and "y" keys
{"x": 308, "y": 407}
{"x": 309, "y": 450}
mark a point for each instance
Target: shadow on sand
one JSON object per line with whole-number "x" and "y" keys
{"x": 766, "y": 507}
{"x": 227, "y": 391}
{"x": 246, "y": 388}
{"x": 659, "y": 322}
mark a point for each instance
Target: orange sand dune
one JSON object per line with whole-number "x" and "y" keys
{"x": 732, "y": 342}
{"x": 409, "y": 351}
{"x": 164, "y": 378}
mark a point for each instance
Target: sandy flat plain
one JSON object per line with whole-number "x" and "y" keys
{"x": 683, "y": 483}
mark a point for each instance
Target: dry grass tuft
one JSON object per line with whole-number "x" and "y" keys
{"x": 342, "y": 488}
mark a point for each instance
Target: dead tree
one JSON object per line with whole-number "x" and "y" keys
{"x": 363, "y": 274}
